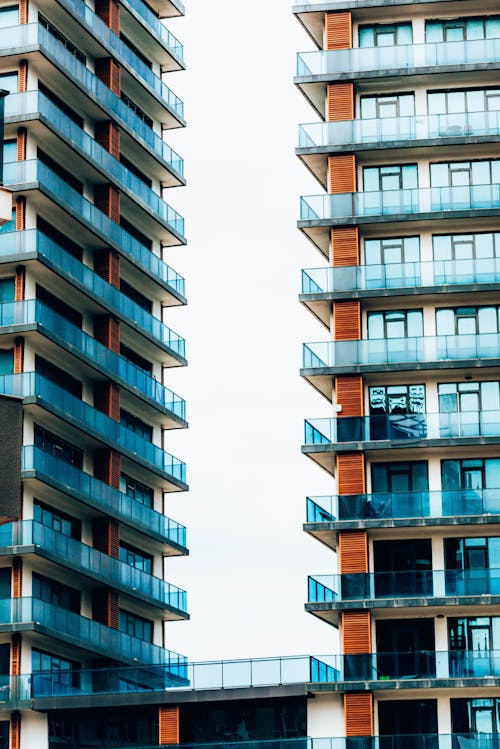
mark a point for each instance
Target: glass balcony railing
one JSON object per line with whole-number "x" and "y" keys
{"x": 88, "y": 633}
{"x": 388, "y": 129}
{"x": 76, "y": 272}
{"x": 420, "y": 583}
{"x": 67, "y": 335}
{"x": 57, "y": 472}
{"x": 21, "y": 172}
{"x": 407, "y": 505}
{"x": 63, "y": 404}
{"x": 402, "y": 426}
{"x": 383, "y": 351}
{"x": 396, "y": 202}
{"x": 90, "y": 561}
{"x": 32, "y": 103}
{"x": 125, "y": 55}
{"x": 30, "y": 36}
{"x": 397, "y": 58}
{"x": 160, "y": 31}
{"x": 400, "y": 275}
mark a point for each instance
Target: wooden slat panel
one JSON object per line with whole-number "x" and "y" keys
{"x": 358, "y": 714}
{"x": 21, "y": 144}
{"x": 107, "y": 332}
{"x": 346, "y": 321}
{"x": 353, "y": 552}
{"x": 23, "y": 11}
{"x": 107, "y": 200}
{"x": 113, "y": 609}
{"x": 339, "y": 102}
{"x": 22, "y": 76}
{"x": 107, "y": 467}
{"x": 338, "y": 30}
{"x": 15, "y": 655}
{"x": 107, "y": 399}
{"x": 109, "y": 12}
{"x": 107, "y": 265}
{"x": 110, "y": 74}
{"x": 356, "y": 632}
{"x": 18, "y": 355}
{"x": 17, "y": 577}
{"x": 20, "y": 213}
{"x": 345, "y": 246}
{"x": 168, "y": 724}
{"x": 349, "y": 395}
{"x": 19, "y": 283}
{"x": 15, "y": 731}
{"x": 351, "y": 473}
{"x": 106, "y": 607}
{"x": 107, "y": 134}
{"x": 342, "y": 174}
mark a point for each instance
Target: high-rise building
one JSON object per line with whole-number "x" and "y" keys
{"x": 84, "y": 408}
{"x": 407, "y": 227}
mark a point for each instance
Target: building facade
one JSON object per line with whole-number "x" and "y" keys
{"x": 85, "y": 412}
{"x": 407, "y": 227}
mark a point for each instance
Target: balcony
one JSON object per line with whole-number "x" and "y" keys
{"x": 79, "y": 485}
{"x": 82, "y": 632}
{"x": 318, "y": 213}
{"x": 21, "y": 317}
{"x": 28, "y": 38}
{"x": 88, "y": 561}
{"x": 26, "y": 175}
{"x": 316, "y": 69}
{"x": 322, "y": 361}
{"x": 37, "y": 391}
{"x": 159, "y": 33}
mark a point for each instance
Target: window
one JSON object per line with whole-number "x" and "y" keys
{"x": 385, "y": 35}
{"x": 469, "y": 716}
{"x": 135, "y": 295}
{"x": 464, "y": 397}
{"x": 9, "y": 151}
{"x": 473, "y": 474}
{"x": 466, "y": 246}
{"x": 395, "y": 324}
{"x": 53, "y": 31}
{"x": 57, "y": 305}
{"x": 399, "y": 477}
{"x": 138, "y": 111}
{"x": 465, "y": 173}
{"x": 58, "y": 376}
{"x": 58, "y": 447}
{"x": 472, "y": 553}
{"x": 51, "y": 96}
{"x": 136, "y": 490}
{"x": 135, "y": 358}
{"x": 56, "y": 520}
{"x": 9, "y": 16}
{"x": 62, "y": 173}
{"x": 135, "y": 558}
{"x": 463, "y": 100}
{"x": 392, "y": 250}
{"x": 401, "y": 399}
{"x": 462, "y": 29}
{"x": 136, "y": 425}
{"x": 467, "y": 320}
{"x": 6, "y": 361}
{"x": 8, "y": 81}
{"x": 387, "y": 105}
{"x": 56, "y": 593}
{"x": 394, "y": 177}
{"x": 49, "y": 670}
{"x": 136, "y": 626}
{"x": 7, "y": 293}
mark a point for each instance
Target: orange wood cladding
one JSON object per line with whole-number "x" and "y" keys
{"x": 106, "y": 536}
{"x": 23, "y": 11}
{"x": 20, "y": 213}
{"x": 168, "y": 724}
{"x": 17, "y": 577}
{"x": 346, "y": 321}
{"x": 345, "y": 246}
{"x": 110, "y": 74}
{"x": 19, "y": 283}
{"x": 21, "y": 144}
{"x": 338, "y": 30}
{"x": 107, "y": 467}
{"x": 107, "y": 135}
{"x": 107, "y": 332}
{"x": 22, "y": 76}
{"x": 18, "y": 355}
{"x": 109, "y": 12}
{"x": 107, "y": 199}
{"x": 342, "y": 174}
{"x": 353, "y": 552}
{"x": 356, "y": 632}
{"x": 15, "y": 731}
{"x": 106, "y": 608}
{"x": 351, "y": 473}
{"x": 107, "y": 265}
{"x": 15, "y": 655}
{"x": 339, "y": 102}
{"x": 107, "y": 399}
{"x": 349, "y": 395}
{"x": 358, "y": 714}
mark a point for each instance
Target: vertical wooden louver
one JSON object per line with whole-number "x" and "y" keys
{"x": 345, "y": 246}
{"x": 17, "y": 577}
{"x": 109, "y": 12}
{"x": 106, "y": 536}
{"x": 356, "y": 632}
{"x": 107, "y": 467}
{"x": 346, "y": 321}
{"x": 23, "y": 11}
{"x": 353, "y": 552}
{"x": 349, "y": 395}
{"x": 19, "y": 283}
{"x": 21, "y": 144}
{"x": 19, "y": 355}
{"x": 20, "y": 213}
{"x": 107, "y": 399}
{"x": 15, "y": 655}
{"x": 342, "y": 174}
{"x": 338, "y": 30}
{"x": 107, "y": 332}
{"x": 169, "y": 732}
{"x": 107, "y": 200}
{"x": 22, "y": 76}
{"x": 15, "y": 731}
{"x": 109, "y": 72}
{"x": 339, "y": 102}
{"x": 107, "y": 265}
{"x": 358, "y": 714}
{"x": 107, "y": 135}
{"x": 106, "y": 608}
{"x": 351, "y": 473}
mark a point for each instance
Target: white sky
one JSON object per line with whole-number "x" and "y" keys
{"x": 246, "y": 573}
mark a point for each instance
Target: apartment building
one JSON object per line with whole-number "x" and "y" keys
{"x": 406, "y": 221}
{"x": 85, "y": 408}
